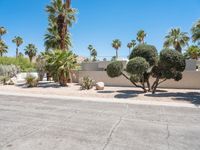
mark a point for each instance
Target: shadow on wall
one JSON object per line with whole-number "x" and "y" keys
{"x": 192, "y": 97}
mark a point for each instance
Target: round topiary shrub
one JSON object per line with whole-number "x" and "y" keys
{"x": 137, "y": 65}
{"x": 148, "y": 52}
{"x": 171, "y": 59}
{"x": 114, "y": 69}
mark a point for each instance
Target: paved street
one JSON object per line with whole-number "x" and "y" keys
{"x": 57, "y": 124}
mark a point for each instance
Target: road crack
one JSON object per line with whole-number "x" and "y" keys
{"x": 114, "y": 128}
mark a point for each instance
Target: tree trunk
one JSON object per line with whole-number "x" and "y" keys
{"x": 155, "y": 85}
{"x": 116, "y": 53}
{"x": 17, "y": 52}
{"x": 31, "y": 58}
{"x": 62, "y": 79}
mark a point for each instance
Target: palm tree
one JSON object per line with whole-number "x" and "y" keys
{"x": 94, "y": 55}
{"x": 90, "y": 48}
{"x": 141, "y": 35}
{"x": 61, "y": 16}
{"x": 116, "y": 44}
{"x": 196, "y": 31}
{"x": 193, "y": 52}
{"x": 18, "y": 41}
{"x": 31, "y": 51}
{"x": 177, "y": 39}
{"x": 3, "y": 48}
{"x": 2, "y": 32}
{"x": 60, "y": 64}
{"x": 131, "y": 45}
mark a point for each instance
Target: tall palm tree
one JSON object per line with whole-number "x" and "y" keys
{"x": 62, "y": 16}
{"x": 196, "y": 31}
{"x": 131, "y": 45}
{"x": 3, "y": 48}
{"x": 141, "y": 35}
{"x": 18, "y": 41}
{"x": 116, "y": 44}
{"x": 94, "y": 55}
{"x": 90, "y": 48}
{"x": 2, "y": 32}
{"x": 177, "y": 39}
{"x": 31, "y": 51}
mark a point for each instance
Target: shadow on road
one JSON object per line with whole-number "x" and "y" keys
{"x": 192, "y": 97}
{"x": 128, "y": 93}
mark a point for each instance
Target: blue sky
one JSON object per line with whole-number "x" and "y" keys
{"x": 99, "y": 22}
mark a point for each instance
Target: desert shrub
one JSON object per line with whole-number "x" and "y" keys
{"x": 148, "y": 52}
{"x": 21, "y": 62}
{"x": 8, "y": 70}
{"x": 4, "y": 79}
{"x": 114, "y": 69}
{"x": 40, "y": 65}
{"x": 86, "y": 83}
{"x": 31, "y": 81}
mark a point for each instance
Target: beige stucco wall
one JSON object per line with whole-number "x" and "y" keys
{"x": 191, "y": 80}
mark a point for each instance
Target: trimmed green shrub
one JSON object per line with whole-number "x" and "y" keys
{"x": 137, "y": 65}
{"x": 86, "y": 83}
{"x": 148, "y": 52}
{"x": 114, "y": 69}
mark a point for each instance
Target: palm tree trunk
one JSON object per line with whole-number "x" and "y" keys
{"x": 116, "y": 53}
{"x": 16, "y": 52}
{"x": 30, "y": 58}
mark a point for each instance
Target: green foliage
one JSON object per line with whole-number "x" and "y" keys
{"x": 8, "y": 70}
{"x": 59, "y": 64}
{"x": 170, "y": 66}
{"x": 148, "y": 52}
{"x": 86, "y": 83}
{"x": 3, "y": 48}
{"x": 31, "y": 81}
{"x": 114, "y": 69}
{"x": 193, "y": 52}
{"x": 21, "y": 62}
{"x": 176, "y": 39}
{"x": 141, "y": 35}
{"x": 31, "y": 51}
{"x": 4, "y": 79}
{"x": 172, "y": 60}
{"x": 137, "y": 66}
{"x": 196, "y": 32}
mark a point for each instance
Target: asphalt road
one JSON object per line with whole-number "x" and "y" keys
{"x": 54, "y": 124}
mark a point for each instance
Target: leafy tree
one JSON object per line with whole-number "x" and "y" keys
{"x": 3, "y": 48}
{"x": 18, "y": 41}
{"x": 131, "y": 45}
{"x": 94, "y": 55}
{"x": 196, "y": 32}
{"x": 59, "y": 65}
{"x": 140, "y": 36}
{"x": 31, "y": 51}
{"x": 170, "y": 66}
{"x": 193, "y": 52}
{"x": 176, "y": 39}
{"x": 116, "y": 44}
{"x": 2, "y": 32}
{"x": 61, "y": 16}
{"x": 144, "y": 63}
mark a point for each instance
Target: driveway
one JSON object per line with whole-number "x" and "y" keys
{"x": 28, "y": 123}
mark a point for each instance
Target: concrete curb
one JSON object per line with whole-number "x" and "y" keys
{"x": 104, "y": 100}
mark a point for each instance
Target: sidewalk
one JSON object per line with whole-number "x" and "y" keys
{"x": 109, "y": 95}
